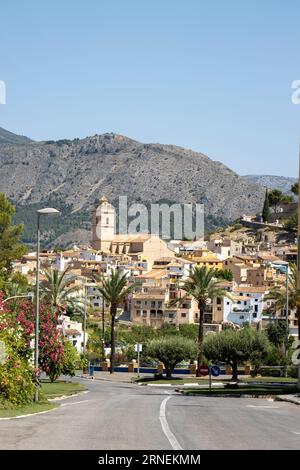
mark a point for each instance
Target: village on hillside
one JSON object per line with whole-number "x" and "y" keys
{"x": 249, "y": 258}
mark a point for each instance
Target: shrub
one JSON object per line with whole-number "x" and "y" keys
{"x": 16, "y": 372}
{"x": 70, "y": 359}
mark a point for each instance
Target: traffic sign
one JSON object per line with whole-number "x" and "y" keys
{"x": 204, "y": 370}
{"x": 138, "y": 347}
{"x": 215, "y": 371}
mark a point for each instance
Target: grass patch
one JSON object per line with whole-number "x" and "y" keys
{"x": 244, "y": 390}
{"x": 270, "y": 379}
{"x": 26, "y": 409}
{"x": 61, "y": 388}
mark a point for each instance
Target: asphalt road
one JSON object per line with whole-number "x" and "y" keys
{"x": 126, "y": 416}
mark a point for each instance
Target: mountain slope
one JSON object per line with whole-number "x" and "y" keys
{"x": 279, "y": 182}
{"x": 7, "y": 137}
{"x": 72, "y": 175}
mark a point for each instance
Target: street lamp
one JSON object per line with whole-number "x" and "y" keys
{"x": 40, "y": 212}
{"x": 21, "y": 296}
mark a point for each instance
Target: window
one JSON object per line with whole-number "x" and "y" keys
{"x": 144, "y": 313}
{"x": 138, "y": 313}
{"x": 138, "y": 302}
{"x": 183, "y": 315}
{"x": 107, "y": 220}
{"x": 242, "y": 317}
{"x": 255, "y": 315}
{"x": 256, "y": 308}
{"x": 219, "y": 301}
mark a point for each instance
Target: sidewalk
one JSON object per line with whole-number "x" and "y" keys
{"x": 117, "y": 377}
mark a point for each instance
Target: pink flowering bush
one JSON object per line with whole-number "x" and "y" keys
{"x": 17, "y": 331}
{"x": 16, "y": 371}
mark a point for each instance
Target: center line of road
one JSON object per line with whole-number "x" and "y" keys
{"x": 165, "y": 426}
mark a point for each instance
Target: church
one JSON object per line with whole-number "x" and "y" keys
{"x": 142, "y": 246}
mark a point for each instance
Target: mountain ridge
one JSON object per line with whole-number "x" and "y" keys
{"x": 73, "y": 174}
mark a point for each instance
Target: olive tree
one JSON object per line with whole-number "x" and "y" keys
{"x": 236, "y": 346}
{"x": 171, "y": 350}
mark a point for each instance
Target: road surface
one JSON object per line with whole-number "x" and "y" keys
{"x": 127, "y": 416}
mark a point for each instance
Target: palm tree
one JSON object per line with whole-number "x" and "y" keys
{"x": 202, "y": 285}
{"x": 58, "y": 292}
{"x": 115, "y": 291}
{"x": 278, "y": 294}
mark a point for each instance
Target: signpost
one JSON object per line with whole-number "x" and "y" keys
{"x": 215, "y": 371}
{"x": 138, "y": 347}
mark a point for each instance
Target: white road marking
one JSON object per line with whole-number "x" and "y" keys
{"x": 267, "y": 407}
{"x": 74, "y": 403}
{"x": 295, "y": 432}
{"x": 165, "y": 426}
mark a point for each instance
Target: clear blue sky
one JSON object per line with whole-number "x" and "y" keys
{"x": 212, "y": 76}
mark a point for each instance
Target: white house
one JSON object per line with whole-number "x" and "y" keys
{"x": 246, "y": 305}
{"x": 73, "y": 331}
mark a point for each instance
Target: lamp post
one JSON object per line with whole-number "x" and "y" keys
{"x": 40, "y": 212}
{"x": 298, "y": 264}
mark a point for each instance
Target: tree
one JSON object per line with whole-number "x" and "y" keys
{"x": 171, "y": 350}
{"x": 235, "y": 347}
{"x": 278, "y": 294}
{"x": 266, "y": 208}
{"x": 58, "y": 292}
{"x": 291, "y": 223}
{"x": 203, "y": 286}
{"x": 70, "y": 359}
{"x": 115, "y": 291}
{"x": 10, "y": 246}
{"x": 225, "y": 274}
{"x": 277, "y": 197}
{"x": 276, "y": 333}
{"x": 295, "y": 188}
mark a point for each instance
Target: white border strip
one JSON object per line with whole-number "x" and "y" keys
{"x": 165, "y": 426}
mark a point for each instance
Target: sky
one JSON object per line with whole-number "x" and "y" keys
{"x": 213, "y": 76}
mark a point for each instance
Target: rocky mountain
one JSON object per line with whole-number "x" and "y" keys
{"x": 72, "y": 174}
{"x": 268, "y": 181}
{"x": 7, "y": 137}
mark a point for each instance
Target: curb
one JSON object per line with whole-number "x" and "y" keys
{"x": 294, "y": 401}
{"x": 64, "y": 397}
{"x": 104, "y": 379}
